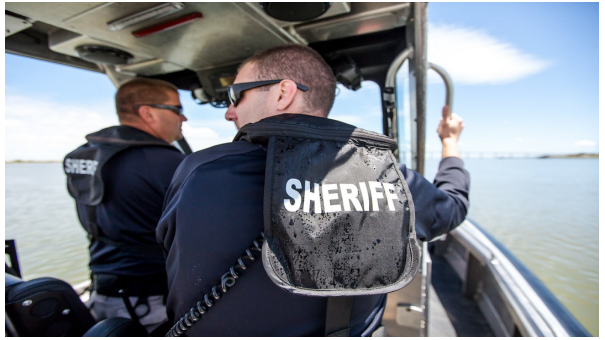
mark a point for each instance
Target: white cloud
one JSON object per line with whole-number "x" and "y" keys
{"x": 472, "y": 56}
{"x": 361, "y": 108}
{"x": 520, "y": 139}
{"x": 37, "y": 129}
{"x": 585, "y": 142}
{"x": 367, "y": 89}
{"x": 201, "y": 137}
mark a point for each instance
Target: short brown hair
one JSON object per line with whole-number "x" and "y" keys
{"x": 303, "y": 65}
{"x": 141, "y": 91}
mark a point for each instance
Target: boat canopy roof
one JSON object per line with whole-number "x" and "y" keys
{"x": 198, "y": 46}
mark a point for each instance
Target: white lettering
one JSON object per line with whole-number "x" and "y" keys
{"x": 336, "y": 197}
{"x": 364, "y": 194}
{"x": 329, "y": 197}
{"x": 312, "y": 196}
{"x": 349, "y": 194}
{"x": 80, "y": 166}
{"x": 374, "y": 186}
{"x": 293, "y": 182}
{"x": 389, "y": 191}
{"x": 68, "y": 169}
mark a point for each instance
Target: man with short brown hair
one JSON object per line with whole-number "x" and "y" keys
{"x": 137, "y": 105}
{"x": 119, "y": 179}
{"x": 302, "y": 65}
{"x": 292, "y": 64}
{"x": 215, "y": 205}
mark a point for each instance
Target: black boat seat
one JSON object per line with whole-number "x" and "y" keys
{"x": 44, "y": 307}
{"x": 10, "y": 280}
{"x": 117, "y": 326}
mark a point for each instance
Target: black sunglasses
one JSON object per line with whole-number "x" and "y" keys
{"x": 178, "y": 109}
{"x": 235, "y": 90}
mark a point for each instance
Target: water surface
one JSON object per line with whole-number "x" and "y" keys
{"x": 544, "y": 210}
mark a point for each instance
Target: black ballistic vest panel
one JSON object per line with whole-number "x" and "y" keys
{"x": 84, "y": 165}
{"x": 339, "y": 218}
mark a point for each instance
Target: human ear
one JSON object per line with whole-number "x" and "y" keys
{"x": 146, "y": 114}
{"x": 287, "y": 92}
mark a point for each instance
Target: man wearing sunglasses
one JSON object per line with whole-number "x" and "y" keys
{"x": 215, "y": 208}
{"x": 258, "y": 92}
{"x": 119, "y": 180}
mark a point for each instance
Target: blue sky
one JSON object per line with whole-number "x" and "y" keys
{"x": 526, "y": 81}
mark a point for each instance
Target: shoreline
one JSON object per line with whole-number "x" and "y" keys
{"x": 578, "y": 155}
{"x": 28, "y": 162}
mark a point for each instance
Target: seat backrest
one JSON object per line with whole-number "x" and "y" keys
{"x": 45, "y": 307}
{"x": 117, "y": 327}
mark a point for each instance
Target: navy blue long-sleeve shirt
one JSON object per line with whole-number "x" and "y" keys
{"x": 214, "y": 210}
{"x": 136, "y": 181}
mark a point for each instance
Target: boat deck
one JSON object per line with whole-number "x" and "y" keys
{"x": 450, "y": 313}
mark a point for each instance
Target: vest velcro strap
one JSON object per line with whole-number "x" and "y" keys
{"x": 148, "y": 285}
{"x": 338, "y": 315}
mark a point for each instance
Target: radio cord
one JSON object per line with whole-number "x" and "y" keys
{"x": 227, "y": 281}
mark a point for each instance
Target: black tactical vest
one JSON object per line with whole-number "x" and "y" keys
{"x": 338, "y": 214}
{"x": 84, "y": 168}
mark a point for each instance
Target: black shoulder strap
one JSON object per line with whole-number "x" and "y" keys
{"x": 338, "y": 315}
{"x": 92, "y": 222}
{"x": 95, "y": 234}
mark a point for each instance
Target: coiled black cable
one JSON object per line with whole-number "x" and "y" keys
{"x": 227, "y": 281}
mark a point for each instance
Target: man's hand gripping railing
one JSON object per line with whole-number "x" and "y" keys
{"x": 227, "y": 281}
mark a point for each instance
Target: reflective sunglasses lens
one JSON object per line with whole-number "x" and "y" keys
{"x": 232, "y": 98}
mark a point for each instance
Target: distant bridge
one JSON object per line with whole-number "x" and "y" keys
{"x": 486, "y": 154}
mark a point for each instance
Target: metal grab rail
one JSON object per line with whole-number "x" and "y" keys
{"x": 449, "y": 85}
{"x": 389, "y": 100}
{"x": 395, "y": 65}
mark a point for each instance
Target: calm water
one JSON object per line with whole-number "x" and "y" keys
{"x": 544, "y": 210}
